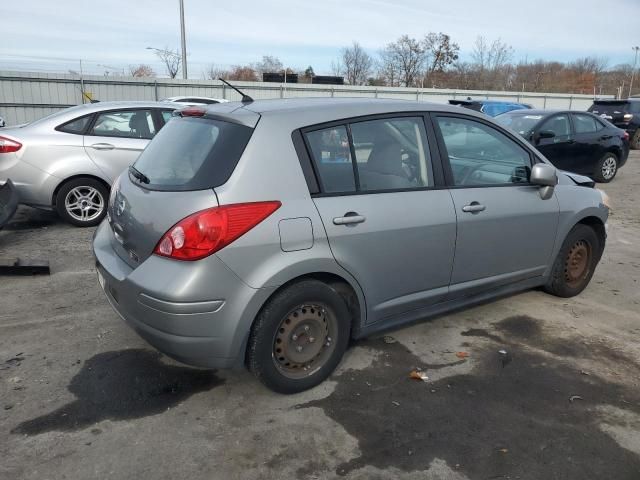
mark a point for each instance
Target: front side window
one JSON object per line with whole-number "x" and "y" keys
{"x": 124, "y": 123}
{"x": 584, "y": 123}
{"x": 481, "y": 155}
{"x": 558, "y": 124}
{"x": 391, "y": 154}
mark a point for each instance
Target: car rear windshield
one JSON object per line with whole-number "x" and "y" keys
{"x": 523, "y": 124}
{"x": 611, "y": 108}
{"x": 193, "y": 154}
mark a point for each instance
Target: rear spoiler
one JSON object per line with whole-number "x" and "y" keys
{"x": 8, "y": 202}
{"x": 471, "y": 104}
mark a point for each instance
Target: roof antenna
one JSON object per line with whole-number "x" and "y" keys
{"x": 245, "y": 98}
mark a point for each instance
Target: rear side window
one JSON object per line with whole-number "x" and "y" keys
{"x": 77, "y": 126}
{"x": 332, "y": 156}
{"x": 584, "y": 123}
{"x": 390, "y": 154}
{"x": 193, "y": 154}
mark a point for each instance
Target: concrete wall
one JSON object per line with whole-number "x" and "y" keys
{"x": 25, "y": 97}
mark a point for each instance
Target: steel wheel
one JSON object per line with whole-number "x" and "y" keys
{"x": 577, "y": 263}
{"x": 304, "y": 340}
{"x": 84, "y": 203}
{"x": 609, "y": 167}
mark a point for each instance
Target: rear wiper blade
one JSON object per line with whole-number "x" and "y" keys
{"x": 138, "y": 174}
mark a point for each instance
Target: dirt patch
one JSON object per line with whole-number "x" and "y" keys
{"x": 513, "y": 421}
{"x": 122, "y": 385}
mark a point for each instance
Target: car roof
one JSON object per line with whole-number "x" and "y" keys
{"x": 616, "y": 101}
{"x": 338, "y": 107}
{"x": 70, "y": 113}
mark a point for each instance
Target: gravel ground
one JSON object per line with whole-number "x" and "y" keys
{"x": 81, "y": 396}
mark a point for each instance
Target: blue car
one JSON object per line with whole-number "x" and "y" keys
{"x": 492, "y": 108}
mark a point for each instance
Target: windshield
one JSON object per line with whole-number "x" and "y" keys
{"x": 523, "y": 124}
{"x": 193, "y": 154}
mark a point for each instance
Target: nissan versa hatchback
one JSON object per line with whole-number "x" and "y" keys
{"x": 270, "y": 233}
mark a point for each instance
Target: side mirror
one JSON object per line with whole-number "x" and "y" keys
{"x": 546, "y": 134}
{"x": 546, "y": 176}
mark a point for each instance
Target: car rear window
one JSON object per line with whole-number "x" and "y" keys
{"x": 193, "y": 154}
{"x": 610, "y": 108}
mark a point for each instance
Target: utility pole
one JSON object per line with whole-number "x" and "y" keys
{"x": 633, "y": 72}
{"x": 184, "y": 44}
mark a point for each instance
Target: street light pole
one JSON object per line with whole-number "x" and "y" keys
{"x": 182, "y": 37}
{"x": 633, "y": 72}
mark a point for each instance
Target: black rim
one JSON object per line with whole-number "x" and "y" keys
{"x": 305, "y": 340}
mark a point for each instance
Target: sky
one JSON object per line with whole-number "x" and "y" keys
{"x": 47, "y": 35}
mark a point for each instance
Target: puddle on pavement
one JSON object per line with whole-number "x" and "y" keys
{"x": 513, "y": 421}
{"x": 122, "y": 385}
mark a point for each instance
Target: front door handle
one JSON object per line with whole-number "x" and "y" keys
{"x": 473, "y": 207}
{"x": 102, "y": 146}
{"x": 350, "y": 218}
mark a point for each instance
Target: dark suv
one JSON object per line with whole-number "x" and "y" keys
{"x": 623, "y": 114}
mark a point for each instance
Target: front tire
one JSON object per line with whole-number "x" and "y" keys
{"x": 299, "y": 337}
{"x": 576, "y": 262}
{"x": 606, "y": 168}
{"x": 82, "y": 202}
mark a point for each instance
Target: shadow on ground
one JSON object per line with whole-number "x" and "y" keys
{"x": 513, "y": 421}
{"x": 122, "y": 385}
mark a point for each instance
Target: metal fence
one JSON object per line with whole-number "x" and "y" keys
{"x": 25, "y": 97}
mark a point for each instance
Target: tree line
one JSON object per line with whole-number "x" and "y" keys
{"x": 434, "y": 61}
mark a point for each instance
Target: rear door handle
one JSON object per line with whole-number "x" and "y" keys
{"x": 473, "y": 207}
{"x": 102, "y": 146}
{"x": 350, "y": 218}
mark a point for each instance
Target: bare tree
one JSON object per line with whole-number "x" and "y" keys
{"x": 440, "y": 51}
{"x": 141, "y": 70}
{"x": 490, "y": 60}
{"x": 406, "y": 56}
{"x": 172, "y": 61}
{"x": 388, "y": 68}
{"x": 269, "y": 64}
{"x": 355, "y": 64}
{"x": 214, "y": 72}
{"x": 244, "y": 73}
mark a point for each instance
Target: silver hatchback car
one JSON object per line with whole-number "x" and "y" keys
{"x": 67, "y": 161}
{"x": 269, "y": 234}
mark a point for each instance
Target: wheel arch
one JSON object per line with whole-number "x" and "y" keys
{"x": 598, "y": 226}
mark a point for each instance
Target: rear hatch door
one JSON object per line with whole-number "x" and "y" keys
{"x": 174, "y": 178}
{"x": 612, "y": 110}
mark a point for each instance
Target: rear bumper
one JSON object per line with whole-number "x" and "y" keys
{"x": 35, "y": 187}
{"x": 157, "y": 301}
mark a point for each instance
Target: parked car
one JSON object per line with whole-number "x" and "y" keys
{"x": 2, "y": 122}
{"x": 272, "y": 232}
{"x": 67, "y": 161}
{"x": 623, "y": 114}
{"x": 575, "y": 141}
{"x": 194, "y": 100}
{"x": 489, "y": 107}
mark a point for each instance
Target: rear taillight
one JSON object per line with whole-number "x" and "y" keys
{"x": 205, "y": 232}
{"x": 8, "y": 146}
{"x": 628, "y": 117}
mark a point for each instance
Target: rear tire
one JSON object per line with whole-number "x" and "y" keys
{"x": 299, "y": 337}
{"x": 606, "y": 168}
{"x": 635, "y": 140}
{"x": 82, "y": 201}
{"x": 576, "y": 262}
